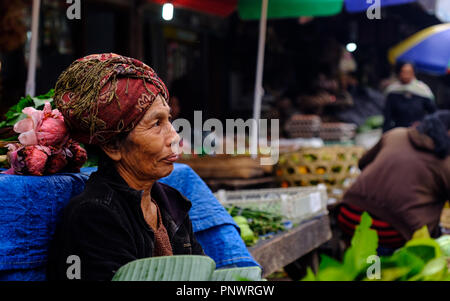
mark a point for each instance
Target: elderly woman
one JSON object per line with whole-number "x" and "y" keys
{"x": 119, "y": 105}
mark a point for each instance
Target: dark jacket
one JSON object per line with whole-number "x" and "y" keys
{"x": 105, "y": 227}
{"x": 403, "y": 182}
{"x": 402, "y": 110}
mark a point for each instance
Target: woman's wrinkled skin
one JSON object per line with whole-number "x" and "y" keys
{"x": 146, "y": 154}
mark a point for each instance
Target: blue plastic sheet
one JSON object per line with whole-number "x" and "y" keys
{"x": 30, "y": 206}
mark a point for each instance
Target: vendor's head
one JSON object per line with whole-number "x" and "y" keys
{"x": 120, "y": 105}
{"x": 405, "y": 72}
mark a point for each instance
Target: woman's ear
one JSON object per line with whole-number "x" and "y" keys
{"x": 113, "y": 151}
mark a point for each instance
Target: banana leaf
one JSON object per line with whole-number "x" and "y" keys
{"x": 182, "y": 268}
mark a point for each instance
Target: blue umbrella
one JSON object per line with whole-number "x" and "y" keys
{"x": 355, "y": 6}
{"x": 428, "y": 50}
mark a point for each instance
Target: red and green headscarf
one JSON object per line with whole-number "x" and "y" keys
{"x": 102, "y": 95}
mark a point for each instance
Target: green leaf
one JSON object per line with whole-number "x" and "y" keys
{"x": 364, "y": 244}
{"x": 434, "y": 270}
{"x": 396, "y": 273}
{"x": 326, "y": 262}
{"x": 167, "y": 268}
{"x": 335, "y": 274}
{"x": 16, "y": 117}
{"x": 425, "y": 248}
{"x": 39, "y": 102}
{"x": 309, "y": 275}
{"x": 236, "y": 274}
{"x": 444, "y": 243}
{"x": 403, "y": 258}
{"x": 421, "y": 233}
{"x": 183, "y": 268}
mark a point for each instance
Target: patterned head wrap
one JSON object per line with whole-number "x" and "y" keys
{"x": 102, "y": 95}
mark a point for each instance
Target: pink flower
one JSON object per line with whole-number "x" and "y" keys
{"x": 29, "y": 160}
{"x": 57, "y": 161}
{"x": 45, "y": 127}
{"x": 77, "y": 157}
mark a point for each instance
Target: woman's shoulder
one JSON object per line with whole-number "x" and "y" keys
{"x": 92, "y": 201}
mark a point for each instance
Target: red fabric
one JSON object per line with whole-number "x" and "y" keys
{"x": 357, "y": 218}
{"x": 350, "y": 216}
{"x": 222, "y": 8}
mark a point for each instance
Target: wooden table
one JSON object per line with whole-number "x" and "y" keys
{"x": 284, "y": 248}
{"x": 237, "y": 184}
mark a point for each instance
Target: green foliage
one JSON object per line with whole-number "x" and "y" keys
{"x": 364, "y": 244}
{"x": 14, "y": 113}
{"x": 371, "y": 123}
{"x": 255, "y": 223}
{"x": 182, "y": 268}
{"x": 420, "y": 259}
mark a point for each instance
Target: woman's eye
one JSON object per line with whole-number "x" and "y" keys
{"x": 157, "y": 123}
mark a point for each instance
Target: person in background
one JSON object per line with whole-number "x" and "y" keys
{"x": 407, "y": 99}
{"x": 404, "y": 182}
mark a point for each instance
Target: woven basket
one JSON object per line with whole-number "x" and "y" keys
{"x": 226, "y": 166}
{"x": 334, "y": 166}
{"x": 303, "y": 126}
{"x": 337, "y": 131}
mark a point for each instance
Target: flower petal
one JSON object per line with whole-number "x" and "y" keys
{"x": 24, "y": 125}
{"x": 28, "y": 138}
{"x": 35, "y": 115}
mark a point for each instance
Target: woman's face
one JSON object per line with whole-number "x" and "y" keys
{"x": 406, "y": 74}
{"x": 147, "y": 151}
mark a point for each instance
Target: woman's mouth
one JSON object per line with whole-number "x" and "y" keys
{"x": 172, "y": 158}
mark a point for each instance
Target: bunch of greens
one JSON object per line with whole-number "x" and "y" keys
{"x": 260, "y": 222}
{"x": 14, "y": 114}
{"x": 420, "y": 259}
{"x": 371, "y": 123}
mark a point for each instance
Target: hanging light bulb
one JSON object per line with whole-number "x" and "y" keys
{"x": 351, "y": 47}
{"x": 167, "y": 11}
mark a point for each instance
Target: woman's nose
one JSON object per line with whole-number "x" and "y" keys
{"x": 175, "y": 139}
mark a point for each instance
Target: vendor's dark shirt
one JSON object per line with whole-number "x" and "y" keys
{"x": 402, "y": 110}
{"x": 104, "y": 226}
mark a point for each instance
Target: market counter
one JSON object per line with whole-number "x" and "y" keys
{"x": 284, "y": 248}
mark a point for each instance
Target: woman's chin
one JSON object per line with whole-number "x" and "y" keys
{"x": 166, "y": 170}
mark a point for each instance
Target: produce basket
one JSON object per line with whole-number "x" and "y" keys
{"x": 227, "y": 166}
{"x": 303, "y": 126}
{"x": 295, "y": 204}
{"x": 337, "y": 131}
{"x": 334, "y": 166}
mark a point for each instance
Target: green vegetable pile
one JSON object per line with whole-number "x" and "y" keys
{"x": 421, "y": 259}
{"x": 256, "y": 224}
{"x": 371, "y": 123}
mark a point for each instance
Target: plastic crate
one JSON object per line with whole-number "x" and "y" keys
{"x": 295, "y": 204}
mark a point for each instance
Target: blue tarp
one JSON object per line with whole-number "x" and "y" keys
{"x": 30, "y": 205}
